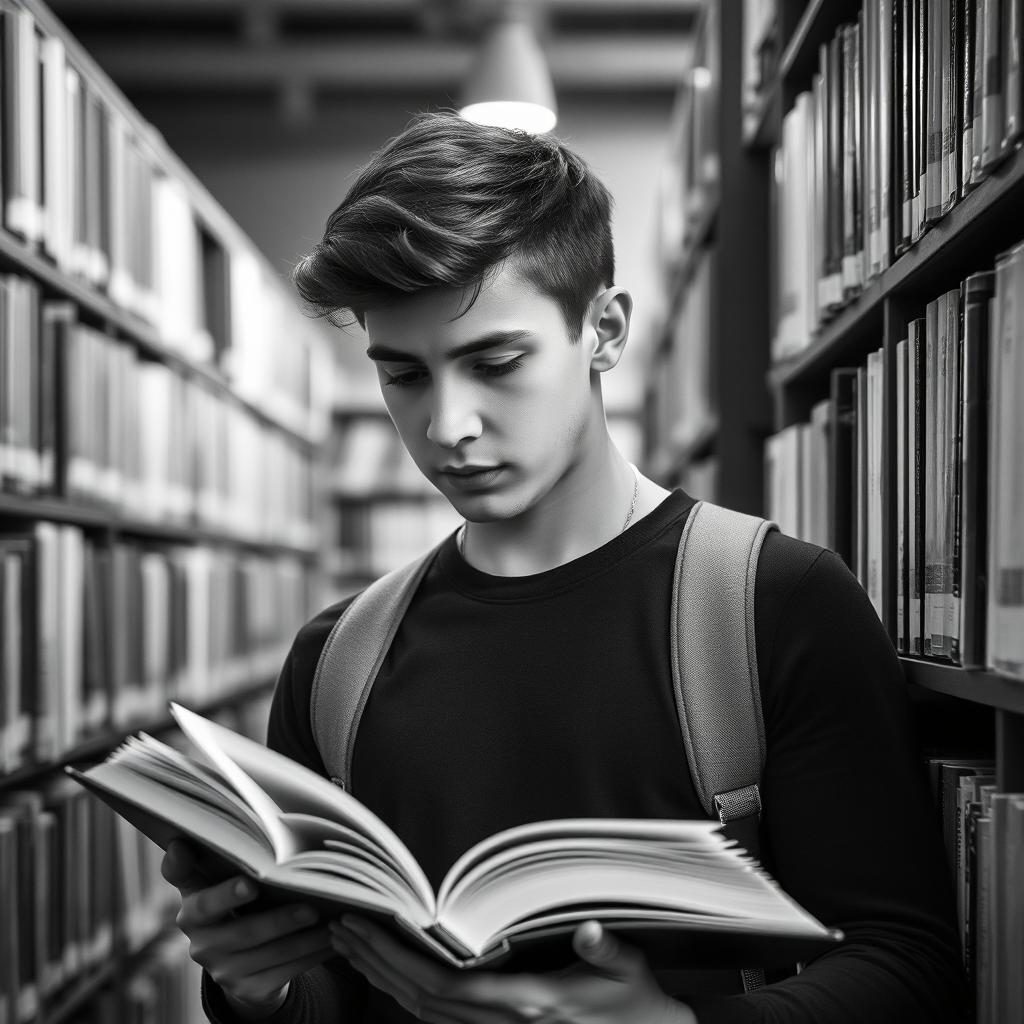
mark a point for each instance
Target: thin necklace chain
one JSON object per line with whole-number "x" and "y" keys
{"x": 629, "y": 515}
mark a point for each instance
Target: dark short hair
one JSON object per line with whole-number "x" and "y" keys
{"x": 447, "y": 202}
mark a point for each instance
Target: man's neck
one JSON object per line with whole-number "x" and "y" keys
{"x": 576, "y": 517}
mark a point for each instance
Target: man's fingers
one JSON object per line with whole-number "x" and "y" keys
{"x": 180, "y": 866}
{"x": 272, "y": 978}
{"x": 210, "y": 905}
{"x": 433, "y": 992}
{"x": 254, "y": 930}
{"x": 264, "y": 960}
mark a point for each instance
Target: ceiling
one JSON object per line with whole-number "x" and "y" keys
{"x": 298, "y": 55}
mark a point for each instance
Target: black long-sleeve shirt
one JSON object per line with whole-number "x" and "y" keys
{"x": 512, "y": 699}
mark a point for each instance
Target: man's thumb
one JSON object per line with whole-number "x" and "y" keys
{"x": 600, "y": 948}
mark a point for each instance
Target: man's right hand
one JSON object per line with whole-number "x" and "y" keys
{"x": 251, "y": 955}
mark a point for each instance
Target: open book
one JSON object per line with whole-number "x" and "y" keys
{"x": 679, "y": 889}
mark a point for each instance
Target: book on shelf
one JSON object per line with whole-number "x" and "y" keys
{"x": 958, "y": 577}
{"x": 88, "y": 186}
{"x": 1006, "y": 486}
{"x": 97, "y": 634}
{"x": 910, "y": 108}
{"x": 679, "y": 888}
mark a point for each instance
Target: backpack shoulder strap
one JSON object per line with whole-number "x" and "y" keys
{"x": 714, "y": 663}
{"x": 350, "y": 660}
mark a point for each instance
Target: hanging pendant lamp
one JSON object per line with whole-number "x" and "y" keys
{"x": 510, "y": 86}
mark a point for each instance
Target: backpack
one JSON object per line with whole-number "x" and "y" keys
{"x": 714, "y": 667}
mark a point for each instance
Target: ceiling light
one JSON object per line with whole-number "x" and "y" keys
{"x": 510, "y": 86}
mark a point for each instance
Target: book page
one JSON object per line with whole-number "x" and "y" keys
{"x": 695, "y": 834}
{"x": 208, "y": 737}
{"x": 285, "y": 785}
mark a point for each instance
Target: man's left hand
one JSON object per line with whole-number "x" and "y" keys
{"x": 610, "y": 984}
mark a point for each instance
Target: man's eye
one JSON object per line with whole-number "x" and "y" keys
{"x": 404, "y": 380}
{"x": 500, "y": 369}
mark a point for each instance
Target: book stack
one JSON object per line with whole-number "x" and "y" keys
{"x": 958, "y": 382}
{"x": 910, "y": 109}
{"x": 983, "y": 830}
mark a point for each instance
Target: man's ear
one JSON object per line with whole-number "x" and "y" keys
{"x": 606, "y": 328}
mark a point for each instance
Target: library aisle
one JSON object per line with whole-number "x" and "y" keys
{"x": 819, "y": 211}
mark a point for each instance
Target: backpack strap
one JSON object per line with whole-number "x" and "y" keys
{"x": 714, "y": 670}
{"x": 714, "y": 664}
{"x": 350, "y": 660}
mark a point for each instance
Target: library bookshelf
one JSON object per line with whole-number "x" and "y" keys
{"x": 916, "y": 68}
{"x": 163, "y": 408}
{"x": 707, "y": 407}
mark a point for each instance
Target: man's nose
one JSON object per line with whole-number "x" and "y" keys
{"x": 454, "y": 415}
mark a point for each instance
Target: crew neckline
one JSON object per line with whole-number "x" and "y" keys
{"x": 473, "y": 582}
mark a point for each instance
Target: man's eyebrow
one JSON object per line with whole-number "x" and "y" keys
{"x": 495, "y": 339}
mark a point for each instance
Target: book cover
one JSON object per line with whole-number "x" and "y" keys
{"x": 299, "y": 835}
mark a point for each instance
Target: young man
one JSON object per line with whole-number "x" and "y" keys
{"x": 530, "y": 677}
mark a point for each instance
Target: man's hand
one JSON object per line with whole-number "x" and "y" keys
{"x": 611, "y": 983}
{"x": 251, "y": 955}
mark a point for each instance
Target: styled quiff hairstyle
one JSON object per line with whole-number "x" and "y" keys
{"x": 446, "y": 203}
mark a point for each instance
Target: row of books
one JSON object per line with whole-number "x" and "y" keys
{"x": 86, "y": 417}
{"x": 92, "y": 190}
{"x": 163, "y": 989}
{"x": 958, "y": 378}
{"x": 79, "y": 885}
{"x": 681, "y": 407}
{"x": 97, "y": 635}
{"x": 689, "y": 182}
{"x": 910, "y": 108}
{"x": 373, "y": 538}
{"x": 368, "y": 457}
{"x": 983, "y": 830}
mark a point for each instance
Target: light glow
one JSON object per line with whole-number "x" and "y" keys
{"x": 526, "y": 117}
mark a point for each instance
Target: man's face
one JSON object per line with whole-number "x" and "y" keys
{"x": 494, "y": 405}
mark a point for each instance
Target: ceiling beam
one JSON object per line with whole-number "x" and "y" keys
{"x": 624, "y": 62}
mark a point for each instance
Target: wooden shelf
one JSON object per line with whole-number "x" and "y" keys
{"x": 16, "y": 257}
{"x": 975, "y": 685}
{"x": 101, "y": 745}
{"x": 97, "y": 517}
{"x": 817, "y": 25}
{"x": 942, "y": 257}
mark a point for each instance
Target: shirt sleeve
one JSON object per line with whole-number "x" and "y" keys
{"x": 848, "y": 827}
{"x": 332, "y": 993}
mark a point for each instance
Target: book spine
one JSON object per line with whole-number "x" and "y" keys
{"x": 919, "y": 449}
{"x": 992, "y": 108}
{"x": 1013, "y": 40}
{"x": 967, "y": 69}
{"x": 901, "y": 495}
